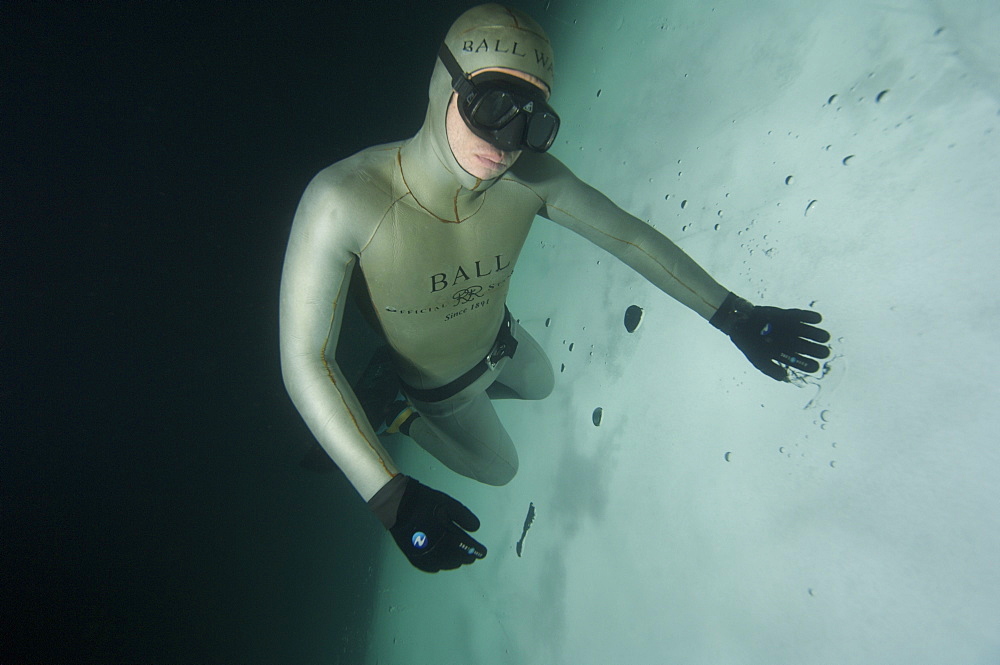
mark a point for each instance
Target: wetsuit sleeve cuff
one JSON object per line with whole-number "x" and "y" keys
{"x": 733, "y": 310}
{"x": 385, "y": 503}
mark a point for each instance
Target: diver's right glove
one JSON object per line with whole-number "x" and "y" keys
{"x": 768, "y": 336}
{"x": 428, "y": 526}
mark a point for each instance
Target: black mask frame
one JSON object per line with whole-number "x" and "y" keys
{"x": 505, "y": 111}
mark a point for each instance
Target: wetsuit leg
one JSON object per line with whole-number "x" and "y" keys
{"x": 466, "y": 435}
{"x": 528, "y": 375}
{"x": 464, "y": 432}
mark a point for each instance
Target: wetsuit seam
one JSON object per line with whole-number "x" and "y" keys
{"x": 333, "y": 379}
{"x": 638, "y": 247}
{"x": 378, "y": 226}
{"x": 528, "y": 187}
{"x": 399, "y": 163}
{"x": 517, "y": 26}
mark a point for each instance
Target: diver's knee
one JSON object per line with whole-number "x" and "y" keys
{"x": 500, "y": 474}
{"x": 543, "y": 386}
{"x": 540, "y": 385}
{"x": 549, "y": 382}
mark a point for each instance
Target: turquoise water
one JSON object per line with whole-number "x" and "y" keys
{"x": 841, "y": 156}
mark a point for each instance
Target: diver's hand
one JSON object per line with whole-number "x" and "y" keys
{"x": 769, "y": 335}
{"x": 428, "y": 526}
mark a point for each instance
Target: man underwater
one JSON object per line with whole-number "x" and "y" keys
{"x": 434, "y": 226}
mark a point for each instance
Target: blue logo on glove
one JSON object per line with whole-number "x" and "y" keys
{"x": 419, "y": 540}
{"x": 766, "y": 330}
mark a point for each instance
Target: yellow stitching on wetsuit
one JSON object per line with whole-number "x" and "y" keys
{"x": 525, "y": 185}
{"x": 388, "y": 209}
{"x": 653, "y": 258}
{"x": 513, "y": 18}
{"x": 517, "y": 26}
{"x": 333, "y": 379}
{"x": 399, "y": 162}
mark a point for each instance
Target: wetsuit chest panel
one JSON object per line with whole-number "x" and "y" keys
{"x": 439, "y": 288}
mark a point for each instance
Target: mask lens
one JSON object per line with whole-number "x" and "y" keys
{"x": 510, "y": 114}
{"x": 542, "y": 131}
{"x": 494, "y": 109}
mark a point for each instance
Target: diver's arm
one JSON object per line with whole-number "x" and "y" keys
{"x": 772, "y": 339}
{"x": 576, "y": 205}
{"x": 319, "y": 260}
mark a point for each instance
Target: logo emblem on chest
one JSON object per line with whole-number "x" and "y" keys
{"x": 440, "y": 281}
{"x": 467, "y": 295}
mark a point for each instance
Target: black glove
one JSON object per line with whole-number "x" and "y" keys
{"x": 428, "y": 526}
{"x": 769, "y": 335}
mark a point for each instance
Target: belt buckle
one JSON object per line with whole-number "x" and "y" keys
{"x": 505, "y": 345}
{"x": 496, "y": 354}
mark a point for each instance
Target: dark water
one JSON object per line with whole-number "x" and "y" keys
{"x": 153, "y": 506}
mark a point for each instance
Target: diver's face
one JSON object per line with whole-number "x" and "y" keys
{"x": 474, "y": 155}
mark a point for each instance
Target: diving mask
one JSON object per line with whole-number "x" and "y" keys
{"x": 505, "y": 111}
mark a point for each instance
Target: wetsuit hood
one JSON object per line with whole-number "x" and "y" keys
{"x": 485, "y": 36}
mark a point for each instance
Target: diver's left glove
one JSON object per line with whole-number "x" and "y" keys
{"x": 428, "y": 526}
{"x": 768, "y": 336}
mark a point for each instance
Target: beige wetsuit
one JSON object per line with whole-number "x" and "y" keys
{"x": 437, "y": 248}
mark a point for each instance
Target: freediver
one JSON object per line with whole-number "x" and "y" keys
{"x": 431, "y": 228}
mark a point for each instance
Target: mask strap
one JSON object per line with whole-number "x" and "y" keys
{"x": 459, "y": 80}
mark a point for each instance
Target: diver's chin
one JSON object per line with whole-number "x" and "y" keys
{"x": 486, "y": 166}
{"x": 491, "y": 162}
